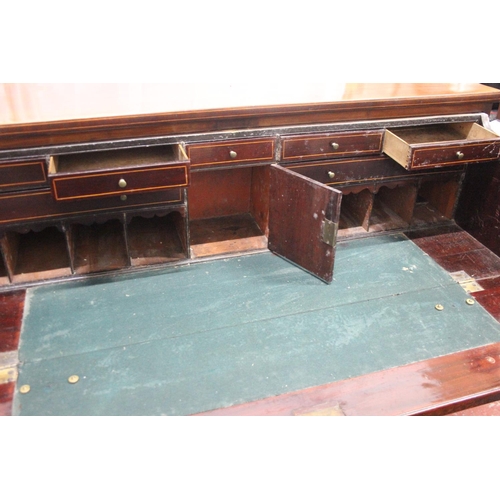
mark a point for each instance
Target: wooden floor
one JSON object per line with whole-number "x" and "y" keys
{"x": 463, "y": 383}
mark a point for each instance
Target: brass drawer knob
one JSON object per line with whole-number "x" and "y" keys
{"x": 460, "y": 155}
{"x": 123, "y": 197}
{"x": 334, "y": 145}
{"x": 331, "y": 174}
{"x": 233, "y": 154}
{"x": 122, "y": 183}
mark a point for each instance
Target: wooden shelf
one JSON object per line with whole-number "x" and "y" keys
{"x": 156, "y": 239}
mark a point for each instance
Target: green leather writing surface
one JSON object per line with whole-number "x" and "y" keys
{"x": 219, "y": 333}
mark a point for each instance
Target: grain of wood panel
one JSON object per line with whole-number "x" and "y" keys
{"x": 6, "y": 396}
{"x": 42, "y": 115}
{"x": 436, "y": 386}
{"x": 11, "y": 315}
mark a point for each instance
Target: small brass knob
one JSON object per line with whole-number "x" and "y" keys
{"x": 123, "y": 197}
{"x": 122, "y": 183}
{"x": 331, "y": 174}
{"x": 460, "y": 155}
{"x": 233, "y": 154}
{"x": 334, "y": 145}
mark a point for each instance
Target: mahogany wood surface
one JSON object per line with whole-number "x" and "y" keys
{"x": 11, "y": 315}
{"x": 50, "y": 114}
{"x": 436, "y": 386}
{"x": 39, "y": 205}
{"x": 22, "y": 175}
{"x": 320, "y": 145}
{"x": 219, "y": 153}
{"x": 299, "y": 210}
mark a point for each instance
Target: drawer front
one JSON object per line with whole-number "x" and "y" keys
{"x": 22, "y": 175}
{"x": 428, "y": 157}
{"x": 228, "y": 153}
{"x": 332, "y": 145}
{"x": 40, "y": 204}
{"x": 119, "y": 183}
{"x": 347, "y": 171}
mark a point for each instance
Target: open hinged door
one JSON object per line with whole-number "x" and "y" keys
{"x": 303, "y": 221}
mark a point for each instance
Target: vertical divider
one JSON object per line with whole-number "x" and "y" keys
{"x": 9, "y": 243}
{"x": 68, "y": 233}
{"x": 125, "y": 221}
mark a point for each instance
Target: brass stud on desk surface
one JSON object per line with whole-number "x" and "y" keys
{"x": 73, "y": 379}
{"x": 24, "y": 389}
{"x": 470, "y": 302}
{"x": 439, "y": 307}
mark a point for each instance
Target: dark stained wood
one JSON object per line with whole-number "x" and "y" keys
{"x": 479, "y": 208}
{"x": 445, "y": 241}
{"x": 219, "y": 192}
{"x": 231, "y": 227}
{"x": 355, "y": 211}
{"x": 443, "y": 156}
{"x": 478, "y": 263}
{"x": 259, "y": 206}
{"x": 489, "y": 299}
{"x": 299, "y": 209}
{"x": 437, "y": 386}
{"x": 11, "y": 315}
{"x": 340, "y": 172}
{"x": 490, "y": 283}
{"x": 41, "y": 255}
{"x": 309, "y": 147}
{"x": 399, "y": 200}
{"x": 26, "y": 174}
{"x": 216, "y": 154}
{"x": 6, "y": 397}
{"x": 57, "y": 118}
{"x": 40, "y": 205}
{"x": 90, "y": 186}
{"x": 98, "y": 247}
{"x": 441, "y": 193}
{"x": 155, "y": 240}
{"x": 486, "y": 410}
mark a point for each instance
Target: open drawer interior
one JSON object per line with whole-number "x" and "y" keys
{"x": 228, "y": 211}
{"x": 117, "y": 159}
{"x": 435, "y": 145}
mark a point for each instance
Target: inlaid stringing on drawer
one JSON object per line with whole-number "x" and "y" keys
{"x": 231, "y": 152}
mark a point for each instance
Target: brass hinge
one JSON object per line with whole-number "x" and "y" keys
{"x": 329, "y": 232}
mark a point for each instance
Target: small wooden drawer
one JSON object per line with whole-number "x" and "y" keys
{"x": 348, "y": 171}
{"x": 39, "y": 205}
{"x": 441, "y": 145}
{"x": 310, "y": 147}
{"x": 233, "y": 152}
{"x": 22, "y": 175}
{"x": 118, "y": 173}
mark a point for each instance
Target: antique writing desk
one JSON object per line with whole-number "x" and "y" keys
{"x": 106, "y": 179}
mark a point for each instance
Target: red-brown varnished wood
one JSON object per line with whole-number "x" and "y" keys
{"x": 490, "y": 300}
{"x": 445, "y": 241}
{"x": 477, "y": 264}
{"x": 216, "y": 154}
{"x": 11, "y": 316}
{"x": 479, "y": 208}
{"x": 486, "y": 410}
{"x": 298, "y": 148}
{"x": 6, "y": 396}
{"x": 301, "y": 211}
{"x": 436, "y": 386}
{"x": 49, "y": 114}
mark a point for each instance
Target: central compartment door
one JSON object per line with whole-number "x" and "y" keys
{"x": 303, "y": 221}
